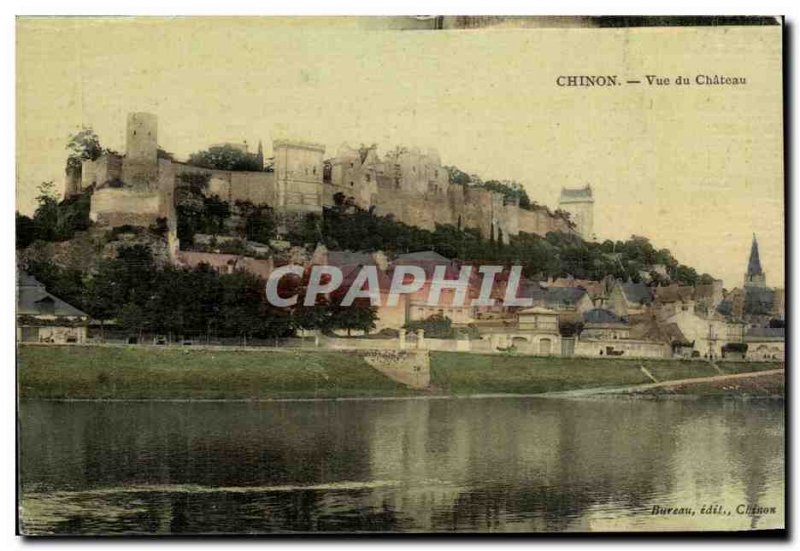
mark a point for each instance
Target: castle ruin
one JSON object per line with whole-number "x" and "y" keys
{"x": 579, "y": 203}
{"x": 409, "y": 185}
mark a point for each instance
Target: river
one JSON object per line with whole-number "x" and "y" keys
{"x": 432, "y": 465}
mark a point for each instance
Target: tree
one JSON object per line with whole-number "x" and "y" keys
{"x": 260, "y": 223}
{"x": 241, "y": 310}
{"x": 359, "y": 316}
{"x": 54, "y": 221}
{"x": 25, "y": 230}
{"x": 706, "y": 279}
{"x": 164, "y": 154}
{"x": 511, "y": 190}
{"x": 457, "y": 176}
{"x": 83, "y": 145}
{"x": 684, "y": 275}
{"x": 46, "y": 218}
{"x": 133, "y": 317}
{"x": 437, "y": 326}
{"x": 190, "y": 205}
{"x": 225, "y": 157}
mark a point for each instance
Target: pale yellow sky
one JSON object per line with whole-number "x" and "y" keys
{"x": 697, "y": 169}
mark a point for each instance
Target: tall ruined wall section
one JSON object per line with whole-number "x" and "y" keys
{"x": 233, "y": 186}
{"x": 541, "y": 222}
{"x": 424, "y": 210}
{"x": 463, "y": 207}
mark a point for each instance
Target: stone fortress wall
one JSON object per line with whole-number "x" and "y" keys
{"x": 408, "y": 184}
{"x": 413, "y": 187}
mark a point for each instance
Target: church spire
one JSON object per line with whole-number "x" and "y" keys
{"x": 754, "y": 264}
{"x": 755, "y": 276}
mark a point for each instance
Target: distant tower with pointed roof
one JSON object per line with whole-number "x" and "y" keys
{"x": 260, "y": 156}
{"x": 755, "y": 276}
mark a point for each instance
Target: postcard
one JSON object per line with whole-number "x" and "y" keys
{"x": 392, "y": 275}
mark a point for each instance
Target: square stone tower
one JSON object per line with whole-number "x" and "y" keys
{"x": 298, "y": 176}
{"x": 580, "y": 204}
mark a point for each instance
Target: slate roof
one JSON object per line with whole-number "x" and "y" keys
{"x": 754, "y": 264}
{"x": 34, "y": 300}
{"x": 674, "y": 293}
{"x": 601, "y": 316}
{"x": 552, "y": 296}
{"x": 675, "y": 335}
{"x": 637, "y": 293}
{"x": 24, "y": 279}
{"x": 579, "y": 193}
{"x": 645, "y": 327}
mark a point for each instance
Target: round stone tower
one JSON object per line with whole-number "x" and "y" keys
{"x": 140, "y": 167}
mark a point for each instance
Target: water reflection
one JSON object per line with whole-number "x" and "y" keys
{"x": 418, "y": 465}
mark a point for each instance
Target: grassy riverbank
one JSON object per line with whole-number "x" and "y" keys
{"x": 460, "y": 373}
{"x": 96, "y": 372}
{"x": 85, "y": 372}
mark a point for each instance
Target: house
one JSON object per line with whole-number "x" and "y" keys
{"x": 605, "y": 334}
{"x": 418, "y": 306}
{"x": 709, "y": 333}
{"x": 628, "y": 298}
{"x": 646, "y": 327}
{"x": 226, "y": 263}
{"x": 569, "y": 302}
{"x": 45, "y": 318}
{"x": 765, "y": 343}
{"x": 533, "y": 331}
{"x": 388, "y": 316}
{"x": 599, "y": 323}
